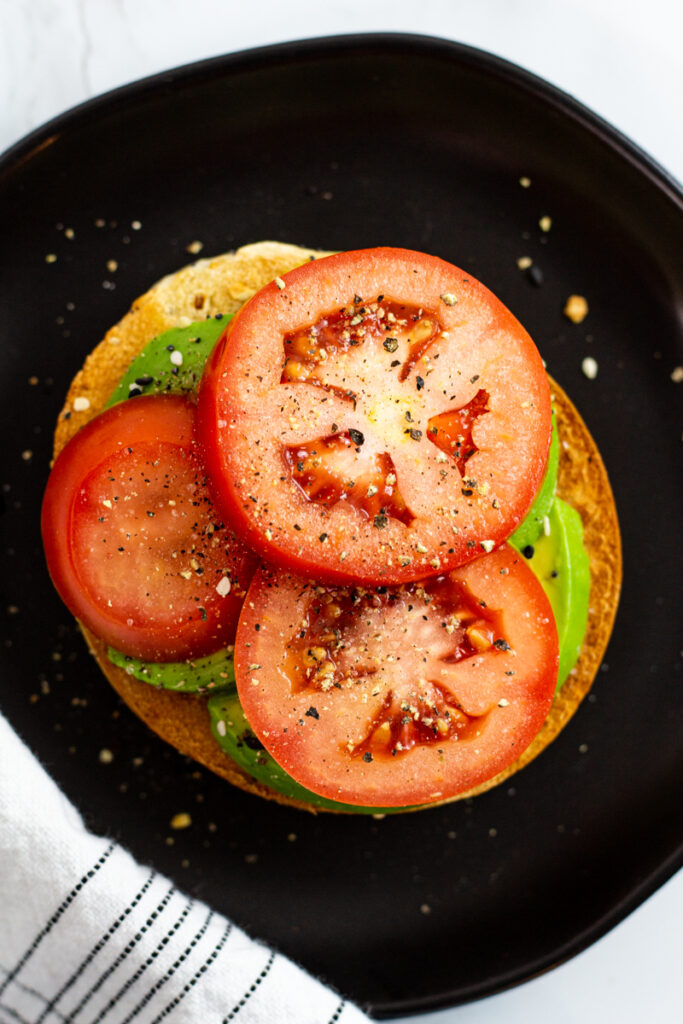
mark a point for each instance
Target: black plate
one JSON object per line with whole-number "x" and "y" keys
{"x": 345, "y": 143}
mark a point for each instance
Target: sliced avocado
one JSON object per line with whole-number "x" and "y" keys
{"x": 531, "y": 527}
{"x": 236, "y": 738}
{"x": 561, "y": 563}
{"x": 203, "y": 675}
{"x": 173, "y": 362}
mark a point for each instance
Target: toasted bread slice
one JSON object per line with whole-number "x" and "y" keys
{"x": 222, "y": 285}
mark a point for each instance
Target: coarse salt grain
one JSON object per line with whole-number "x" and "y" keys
{"x": 81, "y": 403}
{"x": 177, "y": 357}
{"x": 590, "y": 367}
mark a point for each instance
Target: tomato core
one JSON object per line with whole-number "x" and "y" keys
{"x": 342, "y": 640}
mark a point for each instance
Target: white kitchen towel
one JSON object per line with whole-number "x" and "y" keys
{"x": 87, "y": 935}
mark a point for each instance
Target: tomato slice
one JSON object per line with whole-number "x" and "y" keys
{"x": 375, "y": 415}
{"x": 132, "y": 540}
{"x": 392, "y": 697}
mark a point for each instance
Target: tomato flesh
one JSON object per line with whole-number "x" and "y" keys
{"x": 352, "y": 397}
{"x": 398, "y": 696}
{"x": 133, "y": 542}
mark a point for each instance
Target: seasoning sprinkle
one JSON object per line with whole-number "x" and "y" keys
{"x": 576, "y": 309}
{"x": 181, "y": 820}
{"x": 589, "y": 367}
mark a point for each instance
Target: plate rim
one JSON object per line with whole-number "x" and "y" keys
{"x": 500, "y": 67}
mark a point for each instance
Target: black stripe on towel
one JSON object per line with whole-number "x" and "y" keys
{"x": 171, "y": 971}
{"x": 13, "y": 1014}
{"x": 337, "y": 1013}
{"x": 30, "y": 992}
{"x": 143, "y": 967}
{"x": 193, "y": 981}
{"x": 96, "y": 948}
{"x": 127, "y": 950}
{"x": 56, "y": 916}
{"x": 250, "y": 991}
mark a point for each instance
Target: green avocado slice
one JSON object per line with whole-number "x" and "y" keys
{"x": 531, "y": 527}
{"x": 173, "y": 362}
{"x": 235, "y": 737}
{"x": 561, "y": 563}
{"x": 202, "y": 675}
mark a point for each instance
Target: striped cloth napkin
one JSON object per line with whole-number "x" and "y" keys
{"x": 87, "y": 935}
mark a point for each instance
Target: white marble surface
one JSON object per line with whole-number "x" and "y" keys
{"x": 619, "y": 57}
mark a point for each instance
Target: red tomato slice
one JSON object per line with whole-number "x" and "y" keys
{"x": 392, "y": 697}
{"x": 132, "y": 540}
{"x": 375, "y": 415}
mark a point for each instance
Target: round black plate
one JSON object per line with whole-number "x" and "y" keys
{"x": 345, "y": 143}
